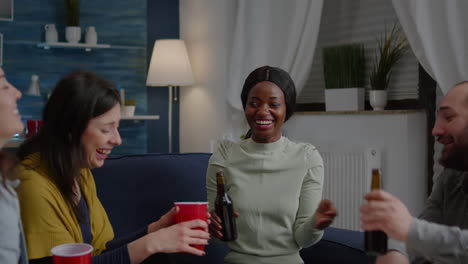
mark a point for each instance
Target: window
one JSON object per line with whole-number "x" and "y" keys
{"x": 364, "y": 21}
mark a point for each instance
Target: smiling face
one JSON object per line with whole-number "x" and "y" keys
{"x": 100, "y": 136}
{"x": 451, "y": 128}
{"x": 265, "y": 111}
{"x": 10, "y": 119}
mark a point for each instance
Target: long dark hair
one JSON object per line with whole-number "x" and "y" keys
{"x": 75, "y": 100}
{"x": 278, "y": 76}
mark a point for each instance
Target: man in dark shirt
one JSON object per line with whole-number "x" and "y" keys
{"x": 440, "y": 234}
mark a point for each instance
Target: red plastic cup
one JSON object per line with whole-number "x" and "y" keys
{"x": 73, "y": 253}
{"x": 191, "y": 211}
{"x": 33, "y": 127}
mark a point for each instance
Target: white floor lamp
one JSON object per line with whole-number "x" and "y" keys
{"x": 169, "y": 66}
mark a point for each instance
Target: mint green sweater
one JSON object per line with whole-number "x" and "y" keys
{"x": 276, "y": 188}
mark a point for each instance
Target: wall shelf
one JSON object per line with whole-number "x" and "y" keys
{"x": 16, "y": 142}
{"x": 140, "y": 117}
{"x": 40, "y": 45}
{"x": 66, "y": 45}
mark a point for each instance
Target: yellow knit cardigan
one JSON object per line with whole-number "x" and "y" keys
{"x": 48, "y": 220}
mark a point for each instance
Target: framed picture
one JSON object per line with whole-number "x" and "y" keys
{"x": 6, "y": 10}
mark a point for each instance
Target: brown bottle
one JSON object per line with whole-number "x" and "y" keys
{"x": 375, "y": 242}
{"x": 225, "y": 211}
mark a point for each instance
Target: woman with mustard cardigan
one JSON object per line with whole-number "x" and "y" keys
{"x": 58, "y": 195}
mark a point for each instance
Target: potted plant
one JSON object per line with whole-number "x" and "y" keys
{"x": 73, "y": 30}
{"x": 129, "y": 108}
{"x": 343, "y": 68}
{"x": 390, "y": 48}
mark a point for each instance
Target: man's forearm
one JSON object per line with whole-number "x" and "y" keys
{"x": 437, "y": 242}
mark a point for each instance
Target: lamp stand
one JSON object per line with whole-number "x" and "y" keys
{"x": 169, "y": 122}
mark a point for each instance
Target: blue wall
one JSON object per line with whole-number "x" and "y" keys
{"x": 163, "y": 22}
{"x": 123, "y": 26}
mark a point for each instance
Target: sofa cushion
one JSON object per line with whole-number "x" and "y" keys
{"x": 349, "y": 238}
{"x": 330, "y": 252}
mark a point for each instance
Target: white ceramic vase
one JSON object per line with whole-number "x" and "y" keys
{"x": 73, "y": 34}
{"x": 51, "y": 35}
{"x": 378, "y": 99}
{"x": 91, "y": 36}
{"x": 34, "y": 87}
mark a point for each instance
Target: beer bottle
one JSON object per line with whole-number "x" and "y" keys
{"x": 375, "y": 241}
{"x": 224, "y": 209}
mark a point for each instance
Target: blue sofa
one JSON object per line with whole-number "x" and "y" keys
{"x": 137, "y": 189}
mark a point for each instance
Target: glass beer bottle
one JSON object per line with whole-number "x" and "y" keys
{"x": 375, "y": 241}
{"x": 224, "y": 209}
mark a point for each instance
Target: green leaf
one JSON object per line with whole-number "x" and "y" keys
{"x": 73, "y": 12}
{"x": 343, "y": 66}
{"x": 390, "y": 49}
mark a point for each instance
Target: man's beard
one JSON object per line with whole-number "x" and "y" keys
{"x": 456, "y": 158}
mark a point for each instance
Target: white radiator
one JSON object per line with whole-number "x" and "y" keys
{"x": 347, "y": 179}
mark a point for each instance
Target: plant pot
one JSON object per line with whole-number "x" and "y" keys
{"x": 128, "y": 110}
{"x": 378, "y": 99}
{"x": 344, "y": 99}
{"x": 73, "y": 34}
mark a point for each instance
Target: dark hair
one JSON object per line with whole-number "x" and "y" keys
{"x": 278, "y": 76}
{"x": 75, "y": 100}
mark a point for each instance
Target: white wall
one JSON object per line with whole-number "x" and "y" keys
{"x": 203, "y": 107}
{"x": 400, "y": 136}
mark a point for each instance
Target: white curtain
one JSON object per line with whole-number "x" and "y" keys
{"x": 276, "y": 33}
{"x": 437, "y": 32}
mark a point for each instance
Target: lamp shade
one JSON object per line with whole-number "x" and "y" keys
{"x": 170, "y": 65}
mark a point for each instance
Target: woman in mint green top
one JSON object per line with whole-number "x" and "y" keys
{"x": 275, "y": 184}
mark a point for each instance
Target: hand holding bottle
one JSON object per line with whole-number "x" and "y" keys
{"x": 385, "y": 212}
{"x": 215, "y": 224}
{"x": 325, "y": 214}
{"x": 224, "y": 209}
{"x": 375, "y": 240}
